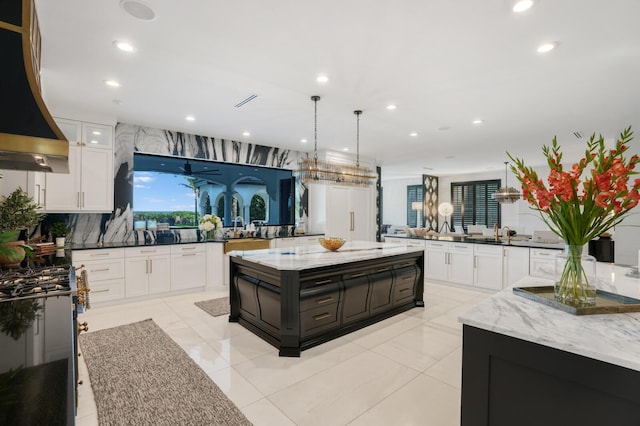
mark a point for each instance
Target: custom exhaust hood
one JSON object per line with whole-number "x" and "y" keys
{"x": 29, "y": 138}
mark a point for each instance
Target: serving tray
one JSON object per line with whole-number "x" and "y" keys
{"x": 606, "y": 303}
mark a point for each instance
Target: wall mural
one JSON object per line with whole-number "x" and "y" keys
{"x": 430, "y": 208}
{"x": 129, "y": 138}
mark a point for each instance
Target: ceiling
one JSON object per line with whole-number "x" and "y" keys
{"x": 443, "y": 63}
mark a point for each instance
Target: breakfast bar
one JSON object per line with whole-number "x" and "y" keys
{"x": 297, "y": 298}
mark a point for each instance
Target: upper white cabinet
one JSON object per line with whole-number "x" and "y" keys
{"x": 342, "y": 211}
{"x": 89, "y": 185}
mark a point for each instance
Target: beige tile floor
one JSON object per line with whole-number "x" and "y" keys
{"x": 405, "y": 370}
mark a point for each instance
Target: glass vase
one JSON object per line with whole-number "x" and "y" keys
{"x": 575, "y": 277}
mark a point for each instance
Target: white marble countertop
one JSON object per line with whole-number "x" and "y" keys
{"x": 612, "y": 338}
{"x": 305, "y": 257}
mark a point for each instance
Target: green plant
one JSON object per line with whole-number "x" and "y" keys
{"x": 18, "y": 212}
{"x": 59, "y": 229}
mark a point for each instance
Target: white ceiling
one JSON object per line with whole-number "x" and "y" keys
{"x": 443, "y": 63}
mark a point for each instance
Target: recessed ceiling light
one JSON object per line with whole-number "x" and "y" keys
{"x": 124, "y": 46}
{"x": 190, "y": 118}
{"x": 93, "y": 141}
{"x": 345, "y": 149}
{"x": 138, "y": 10}
{"x": 322, "y": 79}
{"x": 246, "y": 134}
{"x": 111, "y": 83}
{"x": 303, "y": 140}
{"x": 478, "y": 121}
{"x": 414, "y": 134}
{"x": 95, "y": 132}
{"x": 391, "y": 107}
{"x": 444, "y": 128}
{"x": 547, "y": 47}
{"x": 522, "y": 5}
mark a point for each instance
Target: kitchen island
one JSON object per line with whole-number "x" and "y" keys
{"x": 296, "y": 298}
{"x": 527, "y": 363}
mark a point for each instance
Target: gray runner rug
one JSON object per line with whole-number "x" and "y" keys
{"x": 140, "y": 376}
{"x": 215, "y": 307}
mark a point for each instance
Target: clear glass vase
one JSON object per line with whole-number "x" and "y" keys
{"x": 575, "y": 277}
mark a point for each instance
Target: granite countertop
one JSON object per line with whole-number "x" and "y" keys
{"x": 612, "y": 338}
{"x": 300, "y": 258}
{"x": 482, "y": 240}
{"x": 123, "y": 244}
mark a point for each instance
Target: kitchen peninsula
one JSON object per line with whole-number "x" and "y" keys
{"x": 527, "y": 363}
{"x": 296, "y": 298}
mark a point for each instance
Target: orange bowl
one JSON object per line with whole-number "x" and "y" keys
{"x": 331, "y": 243}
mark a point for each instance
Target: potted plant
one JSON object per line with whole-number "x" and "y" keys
{"x": 18, "y": 213}
{"x": 59, "y": 231}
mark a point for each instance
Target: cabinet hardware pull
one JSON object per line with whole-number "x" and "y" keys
{"x": 99, "y": 254}
{"x": 543, "y": 254}
{"x": 77, "y": 199}
{"x": 352, "y": 221}
{"x": 384, "y": 269}
{"x": 359, "y": 274}
{"x": 404, "y": 290}
{"x": 147, "y": 251}
{"x": 146, "y": 266}
{"x": 151, "y": 266}
{"x": 100, "y": 291}
{"x": 188, "y": 254}
{"x": 82, "y": 198}
{"x": 323, "y": 282}
{"x": 475, "y": 262}
{"x": 321, "y": 316}
{"x": 408, "y": 277}
{"x": 100, "y": 270}
{"x": 460, "y": 246}
{"x": 405, "y": 264}
{"x": 188, "y": 248}
{"x": 38, "y": 186}
{"x": 325, "y": 300}
{"x": 44, "y": 191}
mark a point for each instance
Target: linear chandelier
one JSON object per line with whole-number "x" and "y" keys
{"x": 312, "y": 170}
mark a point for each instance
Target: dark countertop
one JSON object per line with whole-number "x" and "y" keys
{"x": 485, "y": 241}
{"x": 124, "y": 244}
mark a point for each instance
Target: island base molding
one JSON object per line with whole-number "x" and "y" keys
{"x": 296, "y": 310}
{"x": 508, "y": 381}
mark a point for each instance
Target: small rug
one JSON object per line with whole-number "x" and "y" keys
{"x": 140, "y": 376}
{"x": 215, "y": 307}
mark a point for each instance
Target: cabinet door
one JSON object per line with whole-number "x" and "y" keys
{"x": 136, "y": 270}
{"x": 188, "y": 270}
{"x": 160, "y": 274}
{"x": 356, "y": 299}
{"x": 215, "y": 264}
{"x": 361, "y": 215}
{"x": 516, "y": 265}
{"x": 461, "y": 266}
{"x": 97, "y": 180}
{"x": 71, "y": 129}
{"x": 97, "y": 135}
{"x": 488, "y": 268}
{"x": 338, "y": 222}
{"x": 63, "y": 190}
{"x": 437, "y": 262}
{"x": 286, "y": 242}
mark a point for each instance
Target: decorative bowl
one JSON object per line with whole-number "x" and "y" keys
{"x": 420, "y": 232}
{"x": 331, "y": 243}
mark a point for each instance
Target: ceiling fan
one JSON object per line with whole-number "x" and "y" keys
{"x": 187, "y": 170}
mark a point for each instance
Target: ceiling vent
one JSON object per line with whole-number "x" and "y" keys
{"x": 246, "y": 100}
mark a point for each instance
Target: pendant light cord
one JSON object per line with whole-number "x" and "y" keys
{"x": 357, "y": 113}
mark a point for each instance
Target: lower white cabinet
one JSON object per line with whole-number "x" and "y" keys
{"x": 487, "y": 267}
{"x": 105, "y": 272}
{"x": 285, "y": 242}
{"x": 147, "y": 270}
{"x": 515, "y": 266}
{"x": 542, "y": 262}
{"x": 451, "y": 262}
{"x": 215, "y": 259}
{"x": 188, "y": 266}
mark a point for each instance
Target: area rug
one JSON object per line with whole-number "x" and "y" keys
{"x": 140, "y": 376}
{"x": 215, "y": 307}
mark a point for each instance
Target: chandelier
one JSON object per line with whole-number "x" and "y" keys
{"x": 506, "y": 194}
{"x": 312, "y": 170}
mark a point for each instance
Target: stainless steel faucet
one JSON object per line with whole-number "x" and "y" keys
{"x": 235, "y": 225}
{"x": 508, "y": 233}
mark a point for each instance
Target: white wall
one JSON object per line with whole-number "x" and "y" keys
{"x": 394, "y": 200}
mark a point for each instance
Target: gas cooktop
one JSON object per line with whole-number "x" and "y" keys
{"x": 34, "y": 282}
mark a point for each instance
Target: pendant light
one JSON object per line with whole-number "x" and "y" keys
{"x": 506, "y": 194}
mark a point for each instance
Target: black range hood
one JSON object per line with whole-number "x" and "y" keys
{"x": 29, "y": 138}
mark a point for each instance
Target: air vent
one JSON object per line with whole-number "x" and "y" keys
{"x": 577, "y": 134}
{"x": 246, "y": 100}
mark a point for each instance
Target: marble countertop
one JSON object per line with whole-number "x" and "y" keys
{"x": 300, "y": 258}
{"x": 612, "y": 338}
{"x": 482, "y": 240}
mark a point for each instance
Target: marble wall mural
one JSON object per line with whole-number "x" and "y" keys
{"x": 129, "y": 138}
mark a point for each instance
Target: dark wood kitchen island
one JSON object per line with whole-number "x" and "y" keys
{"x": 297, "y": 298}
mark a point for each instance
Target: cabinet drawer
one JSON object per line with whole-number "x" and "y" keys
{"x": 461, "y": 248}
{"x": 319, "y": 296}
{"x": 103, "y": 291}
{"x": 487, "y": 249}
{"x": 147, "y": 251}
{"x": 98, "y": 270}
{"x": 319, "y": 319}
{"x": 187, "y": 248}
{"x": 85, "y": 255}
{"x": 438, "y": 245}
{"x": 544, "y": 253}
{"x": 303, "y": 241}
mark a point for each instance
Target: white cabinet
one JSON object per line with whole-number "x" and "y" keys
{"x": 451, "y": 262}
{"x": 285, "y": 242}
{"x": 342, "y": 211}
{"x": 541, "y": 262}
{"x": 301, "y": 241}
{"x": 487, "y": 267}
{"x": 89, "y": 185}
{"x": 188, "y": 266}
{"x": 308, "y": 240}
{"x": 147, "y": 270}
{"x": 215, "y": 258}
{"x": 105, "y": 272}
{"x": 515, "y": 264}
{"x": 33, "y": 183}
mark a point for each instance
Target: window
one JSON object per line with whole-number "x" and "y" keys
{"x": 414, "y": 193}
{"x": 473, "y": 205}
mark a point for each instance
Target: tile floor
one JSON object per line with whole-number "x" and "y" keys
{"x": 405, "y": 370}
